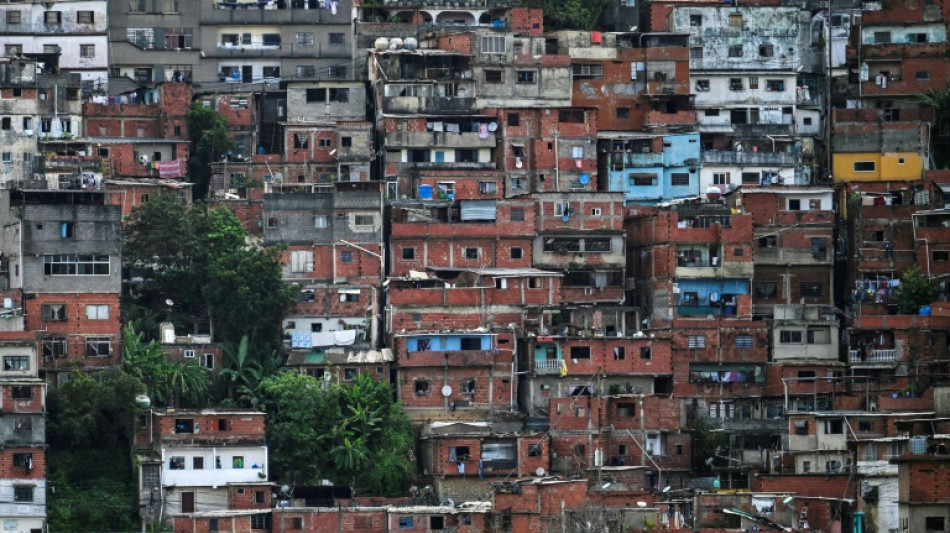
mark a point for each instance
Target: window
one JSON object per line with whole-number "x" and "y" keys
{"x": 176, "y": 463}
{"x": 620, "y": 353}
{"x": 296, "y": 523}
{"x": 642, "y": 179}
{"x": 679, "y": 179}
{"x": 735, "y": 84}
{"x": 316, "y": 95}
{"x": 493, "y": 44}
{"x": 76, "y": 265}
{"x": 14, "y": 17}
{"x": 623, "y": 112}
{"x": 237, "y": 462}
{"x": 790, "y": 337}
{"x": 865, "y": 425}
{"x": 16, "y": 363}
{"x": 834, "y": 427}
{"x": 696, "y": 341}
{"x": 487, "y": 187}
{"x": 646, "y": 352}
{"x": 517, "y": 252}
{"x": 703, "y": 86}
{"x": 922, "y": 75}
{"x": 934, "y": 523}
{"x": 696, "y": 52}
{"x": 743, "y": 342}
{"x": 735, "y": 19}
{"x": 514, "y": 120}
{"x": 341, "y": 95}
{"x": 574, "y": 116}
{"x": 305, "y": 38}
{"x": 53, "y": 17}
{"x": 524, "y": 76}
{"x": 98, "y": 346}
{"x": 350, "y": 374}
{"x": 13, "y": 50}
{"x": 54, "y": 347}
{"x": 806, "y": 465}
{"x": 580, "y": 352}
{"x": 941, "y": 255}
{"x": 586, "y": 70}
{"x": 87, "y": 50}
{"x": 436, "y": 522}
{"x": 22, "y": 493}
{"x": 21, "y": 392}
{"x": 766, "y": 50}
{"x": 301, "y": 261}
{"x": 721, "y": 178}
{"x": 363, "y": 220}
{"x": 421, "y": 387}
{"x": 494, "y": 77}
{"x": 471, "y": 253}
{"x": 775, "y": 85}
{"x": 794, "y": 205}
{"x": 534, "y": 450}
{"x": 864, "y": 166}
{"x": 696, "y": 21}
{"x": 197, "y": 463}
{"x": 321, "y": 221}
{"x": 337, "y": 39}
{"x": 916, "y": 37}
{"x": 810, "y": 289}
{"x": 409, "y": 253}
{"x": 346, "y": 257}
{"x": 97, "y": 312}
{"x": 53, "y": 312}
{"x": 260, "y": 496}
{"x": 405, "y": 522}
{"x": 735, "y": 50}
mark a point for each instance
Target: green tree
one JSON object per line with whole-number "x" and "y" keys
{"x": 241, "y": 373}
{"x": 572, "y": 14}
{"x": 210, "y": 141}
{"x": 939, "y": 100}
{"x": 916, "y": 290}
{"x": 167, "y": 383}
{"x": 349, "y": 433}
{"x": 89, "y": 431}
{"x": 198, "y": 259}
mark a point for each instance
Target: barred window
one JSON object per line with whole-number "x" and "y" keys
{"x": 493, "y": 44}
{"x": 98, "y": 346}
{"x": 76, "y": 265}
{"x": 696, "y": 341}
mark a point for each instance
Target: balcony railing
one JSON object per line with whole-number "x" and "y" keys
{"x": 548, "y": 366}
{"x": 876, "y": 356}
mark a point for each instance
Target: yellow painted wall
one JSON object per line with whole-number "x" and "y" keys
{"x": 887, "y": 166}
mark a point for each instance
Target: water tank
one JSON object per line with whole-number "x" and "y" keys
{"x": 395, "y": 43}
{"x": 381, "y": 43}
{"x": 925, "y": 310}
{"x": 425, "y": 192}
{"x": 713, "y": 193}
{"x": 410, "y": 43}
{"x": 918, "y": 445}
{"x": 142, "y": 401}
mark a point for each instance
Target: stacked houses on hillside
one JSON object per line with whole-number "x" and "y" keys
{"x": 631, "y": 279}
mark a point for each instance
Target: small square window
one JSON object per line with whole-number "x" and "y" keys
{"x": 646, "y": 352}
{"x": 471, "y": 254}
{"x": 525, "y": 76}
{"x": 346, "y": 257}
{"x": 409, "y": 253}
{"x": 495, "y": 77}
{"x": 517, "y": 252}
{"x": 623, "y": 112}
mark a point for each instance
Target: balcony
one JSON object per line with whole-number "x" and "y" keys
{"x": 731, "y": 158}
{"x": 409, "y": 139}
{"x": 429, "y": 105}
{"x": 621, "y": 160}
{"x": 793, "y": 256}
{"x": 548, "y": 366}
{"x": 876, "y": 356}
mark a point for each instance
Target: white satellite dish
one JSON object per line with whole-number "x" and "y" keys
{"x": 278, "y": 177}
{"x": 446, "y": 391}
{"x": 539, "y": 471}
{"x": 169, "y": 302}
{"x": 492, "y": 126}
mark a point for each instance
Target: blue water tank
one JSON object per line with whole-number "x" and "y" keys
{"x": 425, "y": 192}
{"x": 925, "y": 310}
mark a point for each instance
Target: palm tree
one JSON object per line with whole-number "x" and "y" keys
{"x": 940, "y": 102}
{"x": 186, "y": 380}
{"x": 241, "y": 371}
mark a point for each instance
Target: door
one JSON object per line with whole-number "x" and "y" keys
{"x": 187, "y": 502}
{"x": 247, "y": 74}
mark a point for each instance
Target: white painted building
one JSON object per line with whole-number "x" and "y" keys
{"x": 75, "y": 29}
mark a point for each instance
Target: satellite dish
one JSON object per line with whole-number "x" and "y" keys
{"x": 584, "y": 178}
{"x": 492, "y": 126}
{"x": 169, "y": 302}
{"x": 278, "y": 177}
{"x": 539, "y": 471}
{"x": 788, "y": 500}
{"x": 446, "y": 391}
{"x": 666, "y": 489}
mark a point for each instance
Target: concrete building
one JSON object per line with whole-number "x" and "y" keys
{"x": 75, "y": 30}
{"x": 229, "y": 42}
{"x": 64, "y": 255}
{"x": 190, "y": 460}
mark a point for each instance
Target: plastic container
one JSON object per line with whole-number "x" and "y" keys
{"x": 425, "y": 192}
{"x": 925, "y": 310}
